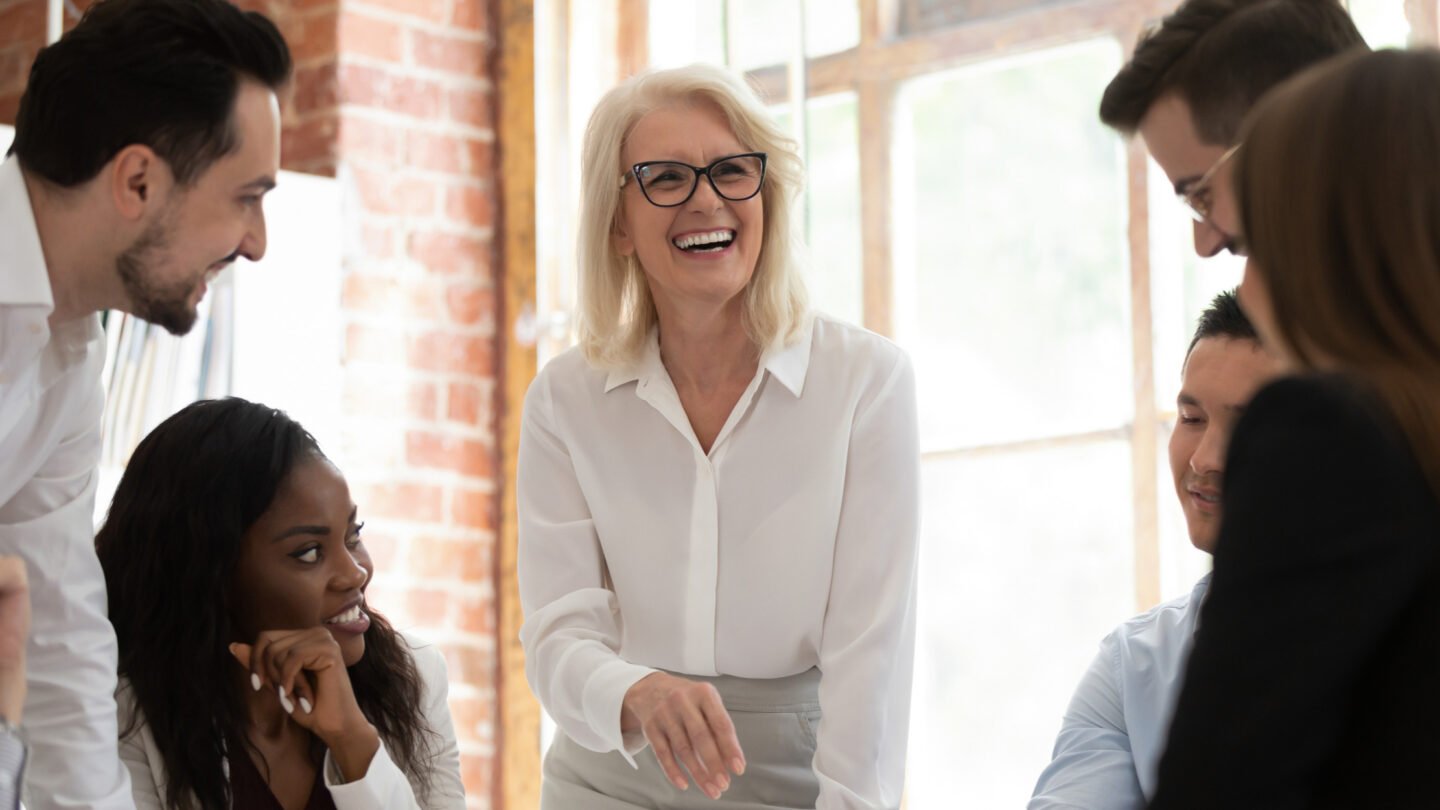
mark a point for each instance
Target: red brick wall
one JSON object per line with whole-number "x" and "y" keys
{"x": 22, "y": 32}
{"x": 395, "y": 99}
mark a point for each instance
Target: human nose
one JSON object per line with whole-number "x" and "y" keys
{"x": 252, "y": 246}
{"x": 706, "y": 197}
{"x": 350, "y": 574}
{"x": 1209, "y": 455}
{"x": 1208, "y": 239}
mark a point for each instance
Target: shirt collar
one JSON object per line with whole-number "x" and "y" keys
{"x": 22, "y": 262}
{"x": 786, "y": 362}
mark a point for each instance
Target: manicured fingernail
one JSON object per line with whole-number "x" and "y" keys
{"x": 737, "y": 765}
{"x": 304, "y": 704}
{"x": 724, "y": 783}
{"x": 285, "y": 702}
{"x": 255, "y": 681}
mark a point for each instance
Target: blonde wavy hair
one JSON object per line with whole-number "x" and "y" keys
{"x": 616, "y": 309}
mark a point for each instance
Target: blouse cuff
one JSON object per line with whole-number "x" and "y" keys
{"x": 603, "y": 697}
{"x": 376, "y": 790}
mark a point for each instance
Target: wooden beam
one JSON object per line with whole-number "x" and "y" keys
{"x": 879, "y": 22}
{"x": 518, "y": 744}
{"x": 877, "y": 114}
{"x": 1145, "y": 438}
{"x": 1424, "y": 19}
{"x": 905, "y": 58}
{"x": 632, "y": 45}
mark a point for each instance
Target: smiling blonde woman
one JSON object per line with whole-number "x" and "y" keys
{"x": 717, "y": 490}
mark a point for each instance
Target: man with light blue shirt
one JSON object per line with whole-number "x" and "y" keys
{"x": 1107, "y": 755}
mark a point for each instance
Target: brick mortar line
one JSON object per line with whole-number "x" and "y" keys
{"x": 478, "y": 232}
{"x": 479, "y": 179}
{"x": 382, "y": 14}
{"x": 438, "y": 377}
{"x": 413, "y": 477}
{"x": 437, "y": 126}
{"x": 401, "y": 121}
{"x": 441, "y": 280}
{"x": 448, "y": 79}
{"x": 457, "y": 588}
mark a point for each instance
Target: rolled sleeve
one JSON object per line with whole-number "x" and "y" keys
{"x": 1093, "y": 765}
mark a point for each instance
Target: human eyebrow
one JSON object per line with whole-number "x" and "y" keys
{"x": 1186, "y": 399}
{"x": 298, "y": 530}
{"x": 260, "y": 184}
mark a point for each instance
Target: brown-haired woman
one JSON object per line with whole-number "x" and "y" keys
{"x": 1314, "y": 677}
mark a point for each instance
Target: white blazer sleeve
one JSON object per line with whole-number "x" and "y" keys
{"x": 868, "y": 638}
{"x": 572, "y": 628}
{"x": 446, "y": 788}
{"x": 1093, "y": 767}
{"x": 384, "y": 786}
{"x": 136, "y": 750}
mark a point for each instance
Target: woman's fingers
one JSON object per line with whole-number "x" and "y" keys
{"x": 245, "y": 654}
{"x": 707, "y": 753}
{"x": 660, "y": 744}
{"x": 723, "y": 728}
{"x": 689, "y": 727}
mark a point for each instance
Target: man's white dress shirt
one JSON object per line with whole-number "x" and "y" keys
{"x": 50, "y": 407}
{"x": 790, "y": 545}
{"x": 1107, "y": 756}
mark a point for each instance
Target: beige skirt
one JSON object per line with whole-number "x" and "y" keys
{"x": 775, "y": 720}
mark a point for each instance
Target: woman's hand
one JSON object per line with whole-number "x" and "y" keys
{"x": 685, "y": 720}
{"x": 307, "y": 671}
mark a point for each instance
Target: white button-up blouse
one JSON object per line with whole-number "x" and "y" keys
{"x": 791, "y": 545}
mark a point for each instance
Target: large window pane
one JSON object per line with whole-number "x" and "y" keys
{"x": 763, "y": 33}
{"x": 1381, "y": 22}
{"x": 831, "y": 26}
{"x": 686, "y": 31}
{"x": 832, "y": 204}
{"x": 1027, "y": 562}
{"x": 1011, "y": 256}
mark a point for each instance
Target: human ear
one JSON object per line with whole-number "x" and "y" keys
{"x": 136, "y": 177}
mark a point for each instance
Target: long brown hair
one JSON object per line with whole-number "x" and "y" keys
{"x": 1339, "y": 190}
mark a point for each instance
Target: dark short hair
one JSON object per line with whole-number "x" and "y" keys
{"x": 162, "y": 73}
{"x": 1223, "y": 319}
{"x": 1221, "y": 56}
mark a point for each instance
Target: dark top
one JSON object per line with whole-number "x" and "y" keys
{"x": 249, "y": 790}
{"x": 1315, "y": 678}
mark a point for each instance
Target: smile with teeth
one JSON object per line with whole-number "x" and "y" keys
{"x": 351, "y": 615}
{"x": 1207, "y": 498}
{"x": 705, "y": 242}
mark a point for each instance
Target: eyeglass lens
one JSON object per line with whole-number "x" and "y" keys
{"x": 734, "y": 178}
